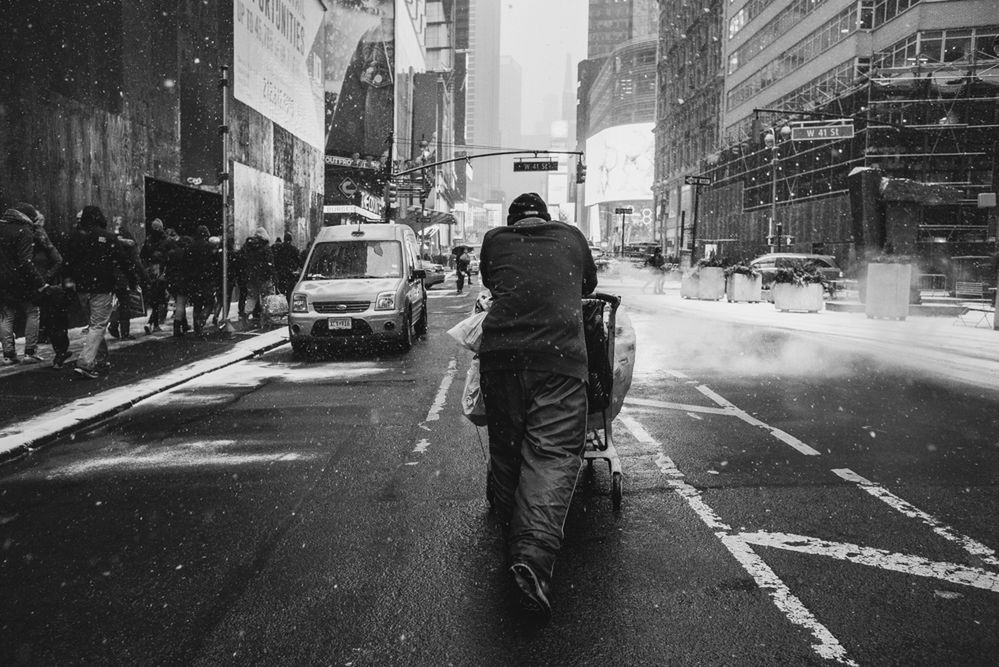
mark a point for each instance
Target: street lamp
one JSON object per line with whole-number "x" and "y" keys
{"x": 771, "y": 141}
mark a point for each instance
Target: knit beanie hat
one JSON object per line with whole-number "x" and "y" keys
{"x": 527, "y": 205}
{"x": 93, "y": 216}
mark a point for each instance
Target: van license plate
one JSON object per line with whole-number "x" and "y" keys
{"x": 339, "y": 323}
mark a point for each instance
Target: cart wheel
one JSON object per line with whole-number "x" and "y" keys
{"x": 616, "y": 483}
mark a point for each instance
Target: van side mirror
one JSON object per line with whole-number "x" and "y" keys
{"x": 420, "y": 273}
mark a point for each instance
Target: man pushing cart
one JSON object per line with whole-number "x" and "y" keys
{"x": 534, "y": 377}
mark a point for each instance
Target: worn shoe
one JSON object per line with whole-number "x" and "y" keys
{"x": 128, "y": 337}
{"x": 9, "y": 361}
{"x": 87, "y": 373}
{"x": 31, "y": 358}
{"x": 533, "y": 592}
{"x": 60, "y": 359}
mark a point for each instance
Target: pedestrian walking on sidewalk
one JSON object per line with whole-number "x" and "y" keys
{"x": 204, "y": 275}
{"x": 22, "y": 285}
{"x": 153, "y": 257}
{"x": 656, "y": 263}
{"x": 179, "y": 278}
{"x": 287, "y": 264}
{"x": 51, "y": 318}
{"x": 127, "y": 281}
{"x": 92, "y": 256}
{"x": 533, "y": 365}
{"x": 257, "y": 264}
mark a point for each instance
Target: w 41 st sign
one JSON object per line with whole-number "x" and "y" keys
{"x": 820, "y": 130}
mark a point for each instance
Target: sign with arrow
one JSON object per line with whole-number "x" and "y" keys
{"x": 348, "y": 187}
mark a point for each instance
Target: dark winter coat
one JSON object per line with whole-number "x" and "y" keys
{"x": 178, "y": 272}
{"x": 538, "y": 272}
{"x": 132, "y": 274}
{"x": 204, "y": 268}
{"x": 287, "y": 264}
{"x": 46, "y": 257}
{"x": 154, "y": 249}
{"x": 19, "y": 277}
{"x": 257, "y": 262}
{"x": 92, "y": 256}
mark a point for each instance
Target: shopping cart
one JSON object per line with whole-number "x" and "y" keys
{"x": 601, "y": 326}
{"x": 610, "y": 373}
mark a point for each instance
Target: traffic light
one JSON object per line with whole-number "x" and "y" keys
{"x": 580, "y": 172}
{"x": 391, "y": 195}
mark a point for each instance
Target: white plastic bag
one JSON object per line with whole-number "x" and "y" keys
{"x": 472, "y": 405}
{"x": 468, "y": 332}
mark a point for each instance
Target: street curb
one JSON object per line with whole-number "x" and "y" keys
{"x": 22, "y": 438}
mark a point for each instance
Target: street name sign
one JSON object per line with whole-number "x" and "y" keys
{"x": 624, "y": 210}
{"x": 816, "y": 132}
{"x": 536, "y": 165}
{"x": 696, "y": 180}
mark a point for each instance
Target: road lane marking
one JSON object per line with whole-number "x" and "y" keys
{"x": 972, "y": 546}
{"x": 434, "y": 414}
{"x": 783, "y": 436}
{"x": 826, "y": 646}
{"x": 667, "y": 405}
{"x": 879, "y": 558}
{"x": 421, "y": 446}
{"x": 726, "y": 408}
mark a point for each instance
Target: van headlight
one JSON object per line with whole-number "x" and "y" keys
{"x": 299, "y": 304}
{"x": 385, "y": 301}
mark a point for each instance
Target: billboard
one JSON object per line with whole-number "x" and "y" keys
{"x": 258, "y": 201}
{"x": 278, "y": 63}
{"x": 359, "y": 77}
{"x": 620, "y": 162}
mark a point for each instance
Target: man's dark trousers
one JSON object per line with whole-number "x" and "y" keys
{"x": 537, "y": 430}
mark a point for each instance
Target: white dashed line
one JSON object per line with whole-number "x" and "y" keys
{"x": 783, "y": 436}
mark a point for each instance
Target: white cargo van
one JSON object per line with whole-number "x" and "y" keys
{"x": 359, "y": 282}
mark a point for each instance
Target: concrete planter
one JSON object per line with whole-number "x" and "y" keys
{"x": 788, "y": 296}
{"x": 711, "y": 283}
{"x": 888, "y": 291}
{"x": 741, "y": 287}
{"x": 689, "y": 285}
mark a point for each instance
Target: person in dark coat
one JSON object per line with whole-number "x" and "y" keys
{"x": 533, "y": 363}
{"x": 153, "y": 257}
{"x": 287, "y": 265}
{"x": 93, "y": 254}
{"x": 178, "y": 278}
{"x": 257, "y": 264}
{"x": 127, "y": 281}
{"x": 204, "y": 276}
{"x": 21, "y": 282}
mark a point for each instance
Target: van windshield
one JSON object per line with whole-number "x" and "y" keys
{"x": 343, "y": 260}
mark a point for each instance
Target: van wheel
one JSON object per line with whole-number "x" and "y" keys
{"x": 423, "y": 325}
{"x": 406, "y": 336}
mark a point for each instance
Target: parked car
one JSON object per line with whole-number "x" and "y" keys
{"x": 360, "y": 283}
{"x": 435, "y": 274}
{"x": 768, "y": 264}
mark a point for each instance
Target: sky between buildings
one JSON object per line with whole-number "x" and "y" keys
{"x": 539, "y": 34}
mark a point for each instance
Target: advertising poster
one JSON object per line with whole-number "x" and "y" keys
{"x": 278, "y": 63}
{"x": 258, "y": 201}
{"x": 620, "y": 163}
{"x": 359, "y": 78}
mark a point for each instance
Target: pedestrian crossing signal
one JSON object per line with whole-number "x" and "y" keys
{"x": 580, "y": 172}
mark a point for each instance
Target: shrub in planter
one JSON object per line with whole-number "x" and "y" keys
{"x": 798, "y": 286}
{"x": 743, "y": 283}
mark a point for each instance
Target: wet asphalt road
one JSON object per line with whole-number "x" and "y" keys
{"x": 332, "y": 511}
